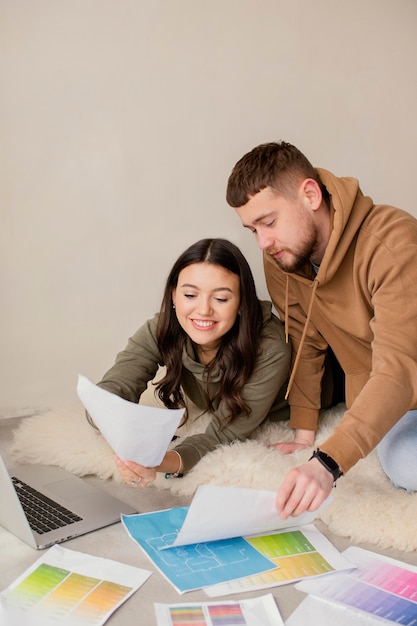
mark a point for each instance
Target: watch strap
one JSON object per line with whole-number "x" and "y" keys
{"x": 327, "y": 462}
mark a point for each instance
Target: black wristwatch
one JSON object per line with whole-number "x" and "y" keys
{"x": 327, "y": 462}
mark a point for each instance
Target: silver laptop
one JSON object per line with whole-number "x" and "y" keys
{"x": 53, "y": 505}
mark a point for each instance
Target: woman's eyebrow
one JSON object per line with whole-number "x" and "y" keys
{"x": 190, "y": 286}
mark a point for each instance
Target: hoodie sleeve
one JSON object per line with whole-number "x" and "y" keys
{"x": 136, "y": 365}
{"x": 386, "y": 270}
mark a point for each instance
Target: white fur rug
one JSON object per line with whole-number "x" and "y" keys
{"x": 366, "y": 507}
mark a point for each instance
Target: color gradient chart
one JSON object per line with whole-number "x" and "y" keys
{"x": 293, "y": 554}
{"x": 250, "y": 612}
{"x": 69, "y": 587}
{"x": 58, "y": 593}
{"x": 296, "y": 555}
{"x": 218, "y": 615}
{"x": 383, "y": 590}
{"x": 380, "y": 587}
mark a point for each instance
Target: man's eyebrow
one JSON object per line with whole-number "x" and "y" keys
{"x": 259, "y": 219}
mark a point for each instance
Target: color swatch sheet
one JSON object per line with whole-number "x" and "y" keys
{"x": 250, "y": 612}
{"x": 207, "y": 564}
{"x": 68, "y": 587}
{"x": 378, "y": 587}
{"x": 296, "y": 554}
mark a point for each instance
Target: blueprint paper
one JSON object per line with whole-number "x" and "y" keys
{"x": 194, "y": 566}
{"x": 223, "y": 512}
{"x": 244, "y": 563}
{"x": 65, "y": 587}
{"x": 135, "y": 432}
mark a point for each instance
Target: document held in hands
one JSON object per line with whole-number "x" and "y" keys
{"x": 135, "y": 432}
{"x": 223, "y": 512}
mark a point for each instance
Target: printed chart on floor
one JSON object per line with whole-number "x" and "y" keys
{"x": 296, "y": 554}
{"x": 379, "y": 587}
{"x": 68, "y": 587}
{"x": 250, "y": 612}
{"x": 212, "y": 563}
{"x": 196, "y": 565}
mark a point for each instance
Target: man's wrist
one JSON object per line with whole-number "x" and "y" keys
{"x": 327, "y": 462}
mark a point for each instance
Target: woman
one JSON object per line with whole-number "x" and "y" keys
{"x": 222, "y": 349}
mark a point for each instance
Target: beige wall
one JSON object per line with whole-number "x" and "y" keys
{"x": 120, "y": 121}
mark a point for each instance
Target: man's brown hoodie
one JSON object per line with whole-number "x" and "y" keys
{"x": 362, "y": 303}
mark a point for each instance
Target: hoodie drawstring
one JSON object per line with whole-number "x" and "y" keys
{"x": 310, "y": 307}
{"x": 287, "y": 289}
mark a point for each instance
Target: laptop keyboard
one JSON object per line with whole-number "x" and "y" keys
{"x": 43, "y": 514}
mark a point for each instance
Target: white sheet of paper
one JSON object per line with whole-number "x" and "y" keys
{"x": 135, "y": 432}
{"x": 317, "y": 611}
{"x": 224, "y": 512}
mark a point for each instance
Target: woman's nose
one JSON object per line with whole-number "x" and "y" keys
{"x": 204, "y": 306}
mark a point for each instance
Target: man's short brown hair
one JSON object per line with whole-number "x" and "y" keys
{"x": 280, "y": 166}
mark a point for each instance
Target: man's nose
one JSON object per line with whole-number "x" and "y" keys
{"x": 264, "y": 240}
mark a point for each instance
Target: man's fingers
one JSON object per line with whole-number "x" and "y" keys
{"x": 296, "y": 503}
{"x": 299, "y": 492}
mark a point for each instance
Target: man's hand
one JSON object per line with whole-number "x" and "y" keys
{"x": 304, "y": 489}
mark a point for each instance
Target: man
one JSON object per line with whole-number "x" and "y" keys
{"x": 342, "y": 273}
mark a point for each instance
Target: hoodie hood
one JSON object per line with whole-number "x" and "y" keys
{"x": 344, "y": 193}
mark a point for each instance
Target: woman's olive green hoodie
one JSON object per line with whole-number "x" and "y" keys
{"x": 264, "y": 392}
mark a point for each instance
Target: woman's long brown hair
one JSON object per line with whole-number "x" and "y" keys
{"x": 237, "y": 354}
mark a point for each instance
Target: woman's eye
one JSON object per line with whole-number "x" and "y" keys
{"x": 221, "y": 299}
{"x": 189, "y": 295}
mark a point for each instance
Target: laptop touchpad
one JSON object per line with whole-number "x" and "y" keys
{"x": 69, "y": 489}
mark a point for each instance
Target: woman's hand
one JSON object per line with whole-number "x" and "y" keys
{"x": 134, "y": 474}
{"x": 302, "y": 439}
{"x": 288, "y": 447}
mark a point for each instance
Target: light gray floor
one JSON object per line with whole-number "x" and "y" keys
{"x": 114, "y": 543}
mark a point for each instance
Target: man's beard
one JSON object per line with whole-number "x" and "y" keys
{"x": 297, "y": 263}
{"x": 298, "y": 259}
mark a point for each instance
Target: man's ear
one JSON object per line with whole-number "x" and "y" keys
{"x": 311, "y": 194}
